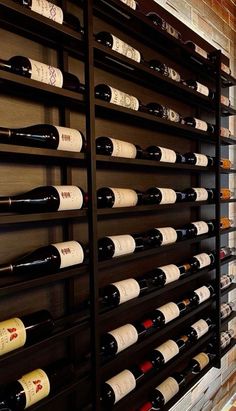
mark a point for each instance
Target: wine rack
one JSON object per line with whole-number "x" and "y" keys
{"x": 79, "y": 325}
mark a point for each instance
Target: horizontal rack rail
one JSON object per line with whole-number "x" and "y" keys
{"x": 228, "y": 290}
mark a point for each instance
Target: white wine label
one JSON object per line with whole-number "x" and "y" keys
{"x": 201, "y": 226}
{"x": 123, "y": 48}
{"x": 225, "y": 68}
{"x": 124, "y": 197}
{"x": 203, "y": 293}
{"x": 122, "y": 99}
{"x": 171, "y": 30}
{"x": 201, "y": 160}
{"x": 170, "y": 311}
{"x": 171, "y": 271}
{"x": 123, "y": 149}
{"x": 225, "y": 100}
{"x": 225, "y": 310}
{"x": 128, "y": 289}
{"x": 224, "y": 339}
{"x": 168, "y": 388}
{"x": 200, "y": 51}
{"x": 124, "y": 244}
{"x": 71, "y": 253}
{"x": 200, "y": 124}
{"x": 202, "y": 194}
{"x": 202, "y": 359}
{"x": 225, "y": 132}
{"x": 174, "y": 75}
{"x": 46, "y": 74}
{"x": 202, "y": 89}
{"x": 71, "y": 197}
{"x": 169, "y": 235}
{"x": 225, "y": 281}
{"x": 203, "y": 259}
{"x": 169, "y": 350}
{"x": 167, "y": 155}
{"x": 130, "y": 3}
{"x": 168, "y": 196}
{"x": 172, "y": 115}
{"x": 125, "y": 336}
{"x": 69, "y": 139}
{"x": 122, "y": 384}
{"x": 201, "y": 327}
{"x": 47, "y": 9}
{"x": 12, "y": 335}
{"x": 36, "y": 386}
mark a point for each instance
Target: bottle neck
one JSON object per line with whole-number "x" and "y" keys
{"x": 5, "y": 204}
{"x": 6, "y": 269}
{"x": 5, "y": 134}
{"x": 4, "y": 65}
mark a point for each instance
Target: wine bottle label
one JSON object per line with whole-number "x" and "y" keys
{"x": 172, "y": 115}
{"x": 123, "y": 149}
{"x": 225, "y": 310}
{"x": 168, "y": 388}
{"x": 225, "y": 194}
{"x": 202, "y": 359}
{"x": 71, "y": 253}
{"x": 128, "y": 289}
{"x": 122, "y": 384}
{"x": 122, "y": 99}
{"x": 203, "y": 293}
{"x": 225, "y": 100}
{"x": 170, "y": 311}
{"x": 47, "y": 9}
{"x": 200, "y": 51}
{"x": 200, "y": 124}
{"x": 171, "y": 271}
{"x": 12, "y": 335}
{"x": 203, "y": 259}
{"x": 123, "y": 48}
{"x": 169, "y": 350}
{"x": 169, "y": 235}
{"x": 71, "y": 197}
{"x": 201, "y": 226}
{"x": 225, "y": 132}
{"x": 36, "y": 386}
{"x": 174, "y": 75}
{"x": 123, "y": 244}
{"x": 201, "y": 160}
{"x": 167, "y": 155}
{"x": 125, "y": 336}
{"x": 168, "y": 196}
{"x": 202, "y": 89}
{"x": 46, "y": 74}
{"x": 201, "y": 194}
{"x": 124, "y": 197}
{"x": 130, "y": 3}
{"x": 171, "y": 30}
{"x": 225, "y": 281}
{"x": 225, "y": 68}
{"x": 224, "y": 339}
{"x": 201, "y": 327}
{"x": 69, "y": 139}
{"x": 225, "y": 163}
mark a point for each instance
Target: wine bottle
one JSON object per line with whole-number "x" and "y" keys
{"x": 226, "y": 338}
{"x": 225, "y": 68}
{"x": 26, "y": 330}
{"x": 47, "y": 259}
{"x": 226, "y": 194}
{"x": 118, "y": 45}
{"x": 156, "y": 195}
{"x": 226, "y": 222}
{"x": 194, "y": 229}
{"x": 166, "y": 274}
{"x": 168, "y": 312}
{"x": 158, "y": 21}
{"x": 202, "y": 260}
{"x": 45, "y": 136}
{"x": 52, "y": 12}
{"x": 163, "y": 112}
{"x": 162, "y": 154}
{"x": 118, "y": 97}
{"x": 225, "y": 132}
{"x": 198, "y": 194}
{"x": 225, "y": 163}
{"x": 196, "y": 48}
{"x": 108, "y": 197}
{"x": 163, "y": 69}
{"x": 201, "y": 294}
{"x": 168, "y": 350}
{"x": 108, "y": 146}
{"x": 200, "y": 88}
{"x": 197, "y": 159}
{"x": 44, "y": 73}
{"x": 226, "y": 281}
{"x": 225, "y": 100}
{"x": 44, "y": 199}
{"x": 130, "y": 3}
{"x": 198, "y": 124}
{"x": 199, "y": 328}
{"x": 226, "y": 309}
{"x": 200, "y": 361}
{"x": 35, "y": 385}
{"x": 118, "y": 245}
{"x": 158, "y": 237}
{"x": 120, "y": 292}
{"x": 226, "y": 252}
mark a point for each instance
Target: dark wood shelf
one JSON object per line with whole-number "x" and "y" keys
{"x": 227, "y": 141}
{"x": 224, "y": 171}
{"x": 8, "y": 219}
{"x": 228, "y": 290}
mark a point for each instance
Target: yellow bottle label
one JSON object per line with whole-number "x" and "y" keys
{"x": 225, "y": 163}
{"x": 12, "y": 335}
{"x": 36, "y": 386}
{"x": 225, "y": 193}
{"x": 225, "y": 223}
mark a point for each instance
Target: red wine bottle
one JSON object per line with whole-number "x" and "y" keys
{"x": 201, "y": 294}
{"x": 118, "y": 245}
{"x": 168, "y": 312}
{"x": 156, "y": 195}
{"x": 226, "y": 338}
{"x": 158, "y": 237}
{"x": 26, "y": 330}
{"x": 199, "y": 328}
{"x": 112, "y": 95}
{"x": 161, "y": 276}
{"x": 194, "y": 229}
{"x": 118, "y": 45}
{"x": 197, "y": 49}
{"x": 200, "y": 361}
{"x": 226, "y": 252}
{"x": 108, "y": 197}
{"x": 198, "y": 124}
{"x": 159, "y": 22}
{"x": 164, "y": 70}
{"x": 120, "y": 292}
{"x": 108, "y": 146}
{"x": 168, "y": 350}
{"x": 202, "y": 260}
{"x": 197, "y": 159}
{"x": 199, "y": 194}
{"x": 44, "y": 199}
{"x": 200, "y": 88}
{"x": 226, "y": 309}
{"x": 45, "y": 136}
{"x": 162, "y": 154}
{"x": 47, "y": 259}
{"x": 163, "y": 112}
{"x": 226, "y": 281}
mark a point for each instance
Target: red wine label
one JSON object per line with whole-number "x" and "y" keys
{"x": 171, "y": 271}
{"x": 124, "y": 197}
{"x": 123, "y": 48}
{"x": 201, "y": 226}
{"x": 202, "y": 89}
{"x": 225, "y": 68}
{"x": 174, "y": 75}
{"x": 202, "y": 359}
{"x": 225, "y": 281}
{"x": 225, "y": 100}
{"x": 201, "y": 327}
{"x": 225, "y": 339}
{"x": 172, "y": 31}
{"x": 169, "y": 350}
{"x": 203, "y": 293}
{"x": 71, "y": 253}
{"x": 46, "y": 74}
{"x": 201, "y": 194}
{"x": 169, "y": 235}
{"x": 125, "y": 336}
{"x": 69, "y": 139}
{"x": 225, "y": 310}
{"x": 170, "y": 311}
{"x": 123, "y": 149}
{"x": 201, "y": 160}
{"x": 172, "y": 115}
{"x": 47, "y": 9}
{"x": 122, "y": 384}
{"x": 71, "y": 197}
{"x": 130, "y": 3}
{"x": 122, "y": 99}
{"x": 168, "y": 196}
{"x": 200, "y": 124}
{"x": 200, "y": 51}
{"x": 203, "y": 259}
{"x": 124, "y": 244}
{"x": 167, "y": 155}
{"x": 168, "y": 388}
{"x": 36, "y": 386}
{"x": 128, "y": 289}
{"x": 12, "y": 335}
{"x": 225, "y": 132}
